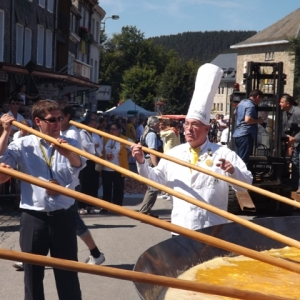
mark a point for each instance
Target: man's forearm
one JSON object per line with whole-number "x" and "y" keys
{"x": 4, "y": 141}
{"x": 74, "y": 159}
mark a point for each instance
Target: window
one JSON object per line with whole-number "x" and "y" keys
{"x": 96, "y": 76}
{"x": 91, "y": 74}
{"x": 1, "y": 35}
{"x": 40, "y": 45}
{"x": 50, "y": 5}
{"x": 93, "y": 27}
{"x": 49, "y": 36}
{"x": 269, "y": 56}
{"x": 73, "y": 22}
{"x": 19, "y": 44}
{"x": 42, "y": 3}
{"x": 97, "y": 35}
{"x": 86, "y": 19}
{"x": 23, "y": 44}
{"x": 221, "y": 106}
{"x": 27, "y": 43}
{"x": 71, "y": 58}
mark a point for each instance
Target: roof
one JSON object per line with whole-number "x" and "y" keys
{"x": 225, "y": 61}
{"x": 228, "y": 63}
{"x": 278, "y": 33}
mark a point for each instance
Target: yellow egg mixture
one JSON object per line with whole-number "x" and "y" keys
{"x": 244, "y": 273}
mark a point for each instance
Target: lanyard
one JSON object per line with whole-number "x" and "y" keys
{"x": 48, "y": 162}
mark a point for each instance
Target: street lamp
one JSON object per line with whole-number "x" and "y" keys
{"x": 114, "y": 17}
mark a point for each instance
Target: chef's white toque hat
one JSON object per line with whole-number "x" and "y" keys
{"x": 207, "y": 82}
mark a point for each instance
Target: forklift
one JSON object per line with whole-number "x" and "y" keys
{"x": 269, "y": 164}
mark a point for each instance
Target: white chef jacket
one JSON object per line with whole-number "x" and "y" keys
{"x": 196, "y": 184}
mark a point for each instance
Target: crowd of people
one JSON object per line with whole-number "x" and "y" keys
{"x": 54, "y": 219}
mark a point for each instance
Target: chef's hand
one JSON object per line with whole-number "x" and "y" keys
{"x": 137, "y": 153}
{"x": 225, "y": 165}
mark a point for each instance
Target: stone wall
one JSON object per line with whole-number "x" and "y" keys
{"x": 279, "y": 53}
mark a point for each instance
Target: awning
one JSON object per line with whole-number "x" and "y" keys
{"x": 51, "y": 75}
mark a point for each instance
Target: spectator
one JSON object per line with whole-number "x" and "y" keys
{"x": 140, "y": 129}
{"x": 21, "y": 132}
{"x": 89, "y": 177}
{"x": 167, "y": 135}
{"x": 22, "y": 95}
{"x": 102, "y": 124}
{"x": 222, "y": 125}
{"x": 27, "y": 114}
{"x": 213, "y": 131}
{"x": 70, "y": 131}
{"x": 13, "y": 112}
{"x": 130, "y": 129}
{"x": 151, "y": 139}
{"x": 116, "y": 153}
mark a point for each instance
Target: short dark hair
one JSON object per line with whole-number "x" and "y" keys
{"x": 255, "y": 93}
{"x": 67, "y": 109}
{"x": 117, "y": 124}
{"x": 42, "y": 107}
{"x": 290, "y": 99}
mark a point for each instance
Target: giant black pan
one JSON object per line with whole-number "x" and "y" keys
{"x": 176, "y": 255}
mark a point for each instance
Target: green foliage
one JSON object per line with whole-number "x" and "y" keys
{"x": 202, "y": 46}
{"x": 176, "y": 85}
{"x": 295, "y": 49}
{"x": 139, "y": 84}
{"x": 143, "y": 70}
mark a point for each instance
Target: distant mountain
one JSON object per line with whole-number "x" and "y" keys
{"x": 202, "y": 46}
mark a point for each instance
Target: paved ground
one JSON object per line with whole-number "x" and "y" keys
{"x": 121, "y": 239}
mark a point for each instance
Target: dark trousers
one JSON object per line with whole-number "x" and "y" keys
{"x": 113, "y": 187}
{"x": 296, "y": 168}
{"x": 40, "y": 233}
{"x": 89, "y": 181}
{"x": 244, "y": 147}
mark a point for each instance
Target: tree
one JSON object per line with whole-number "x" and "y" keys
{"x": 139, "y": 84}
{"x": 176, "y": 85}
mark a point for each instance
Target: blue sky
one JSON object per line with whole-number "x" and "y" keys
{"x": 165, "y": 17}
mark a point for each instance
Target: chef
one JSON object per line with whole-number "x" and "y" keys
{"x": 198, "y": 151}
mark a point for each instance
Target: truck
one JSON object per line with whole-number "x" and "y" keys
{"x": 269, "y": 164}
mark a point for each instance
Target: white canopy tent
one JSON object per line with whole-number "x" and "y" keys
{"x": 127, "y": 108}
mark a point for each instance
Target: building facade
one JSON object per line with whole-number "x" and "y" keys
{"x": 42, "y": 45}
{"x": 270, "y": 45}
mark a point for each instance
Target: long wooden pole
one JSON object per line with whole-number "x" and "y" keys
{"x": 134, "y": 276}
{"x": 191, "y": 166}
{"x": 265, "y": 231}
{"x": 207, "y": 239}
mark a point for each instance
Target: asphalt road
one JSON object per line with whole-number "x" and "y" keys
{"x": 121, "y": 239}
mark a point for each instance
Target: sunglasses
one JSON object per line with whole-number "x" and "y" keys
{"x": 52, "y": 120}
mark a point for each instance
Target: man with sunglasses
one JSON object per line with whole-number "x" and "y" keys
{"x": 46, "y": 222}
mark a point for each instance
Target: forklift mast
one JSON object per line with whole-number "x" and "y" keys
{"x": 270, "y": 79}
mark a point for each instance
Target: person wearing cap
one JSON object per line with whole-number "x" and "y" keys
{"x": 200, "y": 151}
{"x": 246, "y": 125}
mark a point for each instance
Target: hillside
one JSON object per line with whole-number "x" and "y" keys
{"x": 202, "y": 46}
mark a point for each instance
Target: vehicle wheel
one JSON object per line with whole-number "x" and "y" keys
{"x": 233, "y": 204}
